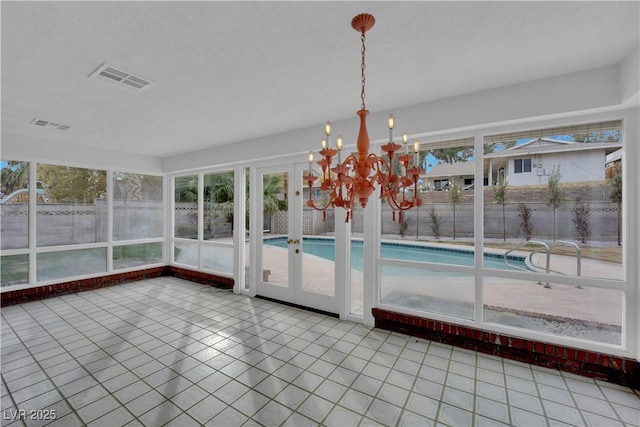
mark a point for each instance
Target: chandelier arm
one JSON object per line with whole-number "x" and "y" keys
{"x": 312, "y": 204}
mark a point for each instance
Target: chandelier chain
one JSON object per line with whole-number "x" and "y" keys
{"x": 362, "y": 68}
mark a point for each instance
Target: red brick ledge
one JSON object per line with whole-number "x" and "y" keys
{"x": 200, "y": 277}
{"x": 20, "y": 296}
{"x": 614, "y": 369}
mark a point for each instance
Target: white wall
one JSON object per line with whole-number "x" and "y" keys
{"x": 19, "y": 147}
{"x": 571, "y": 94}
{"x": 577, "y": 166}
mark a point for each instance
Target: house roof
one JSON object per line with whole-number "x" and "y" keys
{"x": 451, "y": 169}
{"x": 612, "y": 157}
{"x": 548, "y": 145}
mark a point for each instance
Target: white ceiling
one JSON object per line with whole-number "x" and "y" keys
{"x": 225, "y": 72}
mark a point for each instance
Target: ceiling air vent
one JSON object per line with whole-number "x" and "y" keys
{"x": 49, "y": 125}
{"x": 115, "y": 77}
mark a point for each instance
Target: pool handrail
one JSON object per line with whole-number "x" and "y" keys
{"x": 545, "y": 247}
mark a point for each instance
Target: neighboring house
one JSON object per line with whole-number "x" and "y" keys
{"x": 443, "y": 175}
{"x": 612, "y": 162}
{"x": 533, "y": 161}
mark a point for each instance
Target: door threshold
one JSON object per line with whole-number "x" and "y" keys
{"x": 301, "y": 307}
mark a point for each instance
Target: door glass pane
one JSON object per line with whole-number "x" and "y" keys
{"x": 71, "y": 205}
{"x": 318, "y": 265}
{"x": 318, "y": 249}
{"x": 275, "y": 229}
{"x": 14, "y": 206}
{"x": 186, "y": 207}
{"x": 247, "y": 230}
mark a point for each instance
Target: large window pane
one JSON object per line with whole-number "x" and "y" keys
{"x": 446, "y": 189}
{"x": 421, "y": 289}
{"x": 186, "y": 207}
{"x": 137, "y": 206}
{"x": 58, "y": 265}
{"x": 218, "y": 206}
{"x": 14, "y": 204}
{"x": 586, "y": 313}
{"x": 73, "y": 206}
{"x": 561, "y": 190}
{"x": 14, "y": 270}
{"x": 127, "y": 256}
{"x": 218, "y": 258}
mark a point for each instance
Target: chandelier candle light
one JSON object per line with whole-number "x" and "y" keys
{"x": 356, "y": 176}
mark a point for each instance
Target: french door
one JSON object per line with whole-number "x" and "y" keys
{"x": 294, "y": 254}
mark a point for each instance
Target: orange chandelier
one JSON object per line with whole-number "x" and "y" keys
{"x": 356, "y": 176}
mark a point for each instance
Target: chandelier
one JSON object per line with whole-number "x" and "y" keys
{"x": 355, "y": 178}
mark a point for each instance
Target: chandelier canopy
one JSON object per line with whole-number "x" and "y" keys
{"x": 355, "y": 178}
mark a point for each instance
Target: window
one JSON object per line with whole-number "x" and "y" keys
{"x": 137, "y": 206}
{"x": 522, "y": 165}
{"x": 430, "y": 277}
{"x": 73, "y": 206}
{"x": 562, "y": 223}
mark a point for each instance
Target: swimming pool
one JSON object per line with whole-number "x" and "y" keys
{"x": 325, "y": 248}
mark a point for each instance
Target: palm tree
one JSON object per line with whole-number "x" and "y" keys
{"x": 186, "y": 188}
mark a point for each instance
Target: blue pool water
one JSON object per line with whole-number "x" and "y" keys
{"x": 325, "y": 248}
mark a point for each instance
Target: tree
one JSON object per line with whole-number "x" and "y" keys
{"x": 73, "y": 185}
{"x": 581, "y": 216}
{"x": 453, "y": 155}
{"x": 456, "y": 197}
{"x": 598, "y": 136}
{"x": 555, "y": 194}
{"x": 616, "y": 197}
{"x": 14, "y": 176}
{"x": 435, "y": 222}
{"x": 524, "y": 212}
{"x": 186, "y": 189}
{"x": 500, "y": 197}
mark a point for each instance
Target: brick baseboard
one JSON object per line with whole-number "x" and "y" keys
{"x": 41, "y": 292}
{"x": 600, "y": 366}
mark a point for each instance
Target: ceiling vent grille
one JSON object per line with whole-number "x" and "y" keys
{"x": 49, "y": 125}
{"x": 115, "y": 77}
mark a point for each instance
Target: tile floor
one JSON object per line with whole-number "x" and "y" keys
{"x": 170, "y": 352}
